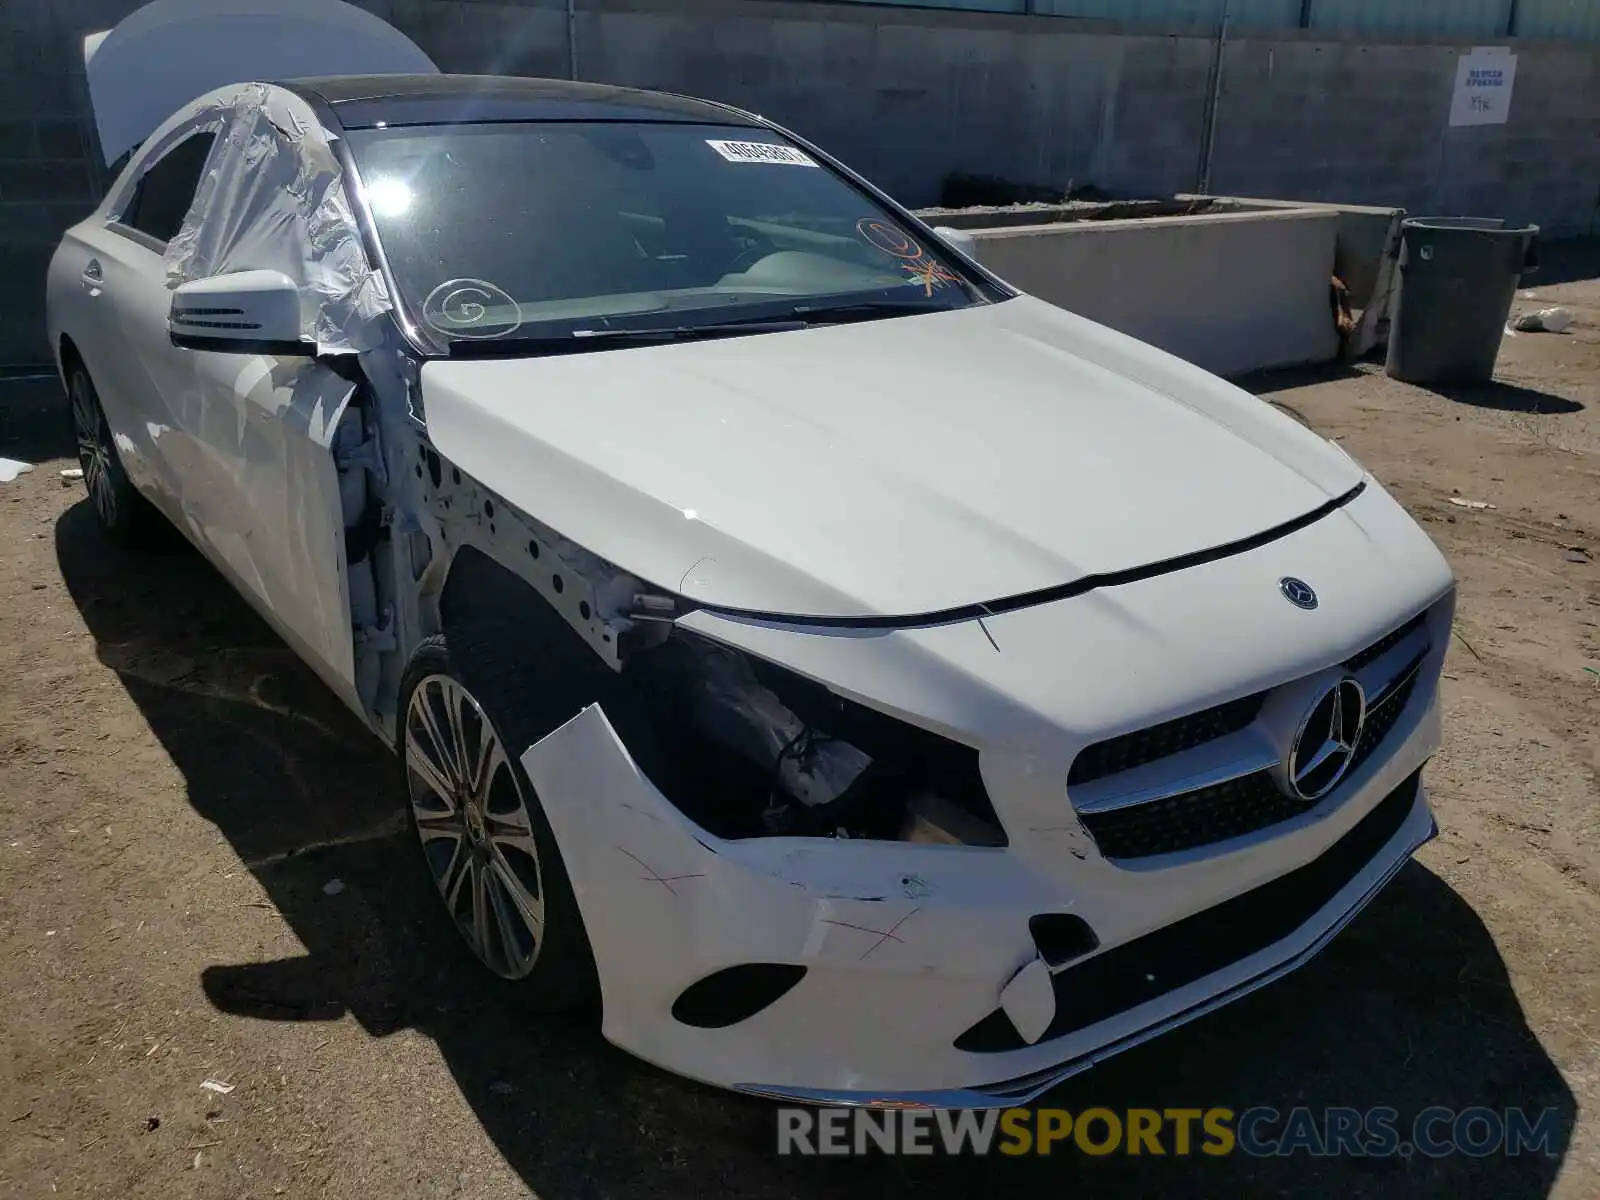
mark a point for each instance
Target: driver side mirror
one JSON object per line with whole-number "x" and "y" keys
{"x": 246, "y": 312}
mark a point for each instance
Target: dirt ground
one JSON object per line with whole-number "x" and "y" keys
{"x": 178, "y": 798}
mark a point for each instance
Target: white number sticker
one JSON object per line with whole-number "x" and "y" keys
{"x": 762, "y": 152}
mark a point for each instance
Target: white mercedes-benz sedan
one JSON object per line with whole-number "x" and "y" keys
{"x": 873, "y": 685}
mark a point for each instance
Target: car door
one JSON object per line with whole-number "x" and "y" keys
{"x": 237, "y": 448}
{"x": 122, "y": 313}
{"x": 250, "y": 443}
{"x": 273, "y": 518}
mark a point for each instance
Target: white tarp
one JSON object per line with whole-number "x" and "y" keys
{"x": 162, "y": 56}
{"x": 272, "y": 198}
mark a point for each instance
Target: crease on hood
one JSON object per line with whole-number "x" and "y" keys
{"x": 1214, "y": 387}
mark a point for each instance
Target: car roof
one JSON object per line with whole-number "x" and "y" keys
{"x": 370, "y": 101}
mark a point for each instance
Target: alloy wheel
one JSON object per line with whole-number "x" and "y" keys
{"x": 94, "y": 449}
{"x": 472, "y": 817}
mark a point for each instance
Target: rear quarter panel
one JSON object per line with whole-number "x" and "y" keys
{"x": 64, "y": 293}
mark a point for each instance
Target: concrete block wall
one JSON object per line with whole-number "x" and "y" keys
{"x": 1313, "y": 118}
{"x": 907, "y": 95}
{"x": 1231, "y": 292}
{"x": 47, "y": 151}
{"x": 472, "y": 37}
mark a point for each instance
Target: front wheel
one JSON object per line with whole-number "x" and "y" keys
{"x": 488, "y": 847}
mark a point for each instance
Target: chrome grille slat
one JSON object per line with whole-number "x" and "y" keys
{"x": 1383, "y": 674}
{"x": 1217, "y": 762}
{"x": 1359, "y": 662}
{"x": 1129, "y": 750}
{"x": 1192, "y": 819}
{"x": 1382, "y": 718}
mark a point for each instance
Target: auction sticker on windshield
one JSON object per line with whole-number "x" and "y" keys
{"x": 762, "y": 152}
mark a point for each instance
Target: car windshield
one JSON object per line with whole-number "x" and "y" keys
{"x": 530, "y": 234}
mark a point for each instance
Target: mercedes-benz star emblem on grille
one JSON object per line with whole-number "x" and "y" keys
{"x": 1297, "y": 592}
{"x": 1326, "y": 741}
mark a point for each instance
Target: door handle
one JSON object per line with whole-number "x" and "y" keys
{"x": 93, "y": 276}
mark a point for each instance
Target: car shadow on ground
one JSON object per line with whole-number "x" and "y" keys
{"x": 1508, "y": 397}
{"x": 1411, "y": 1007}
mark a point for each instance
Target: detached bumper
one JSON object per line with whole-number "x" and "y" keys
{"x": 907, "y": 949}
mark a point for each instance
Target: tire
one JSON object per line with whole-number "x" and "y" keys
{"x": 126, "y": 517}
{"x": 503, "y": 683}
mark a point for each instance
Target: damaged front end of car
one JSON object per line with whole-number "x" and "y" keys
{"x": 843, "y": 865}
{"x": 824, "y": 962}
{"x": 745, "y": 747}
{"x": 746, "y": 845}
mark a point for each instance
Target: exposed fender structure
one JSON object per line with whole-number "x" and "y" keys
{"x": 363, "y": 485}
{"x": 493, "y": 547}
{"x": 745, "y": 748}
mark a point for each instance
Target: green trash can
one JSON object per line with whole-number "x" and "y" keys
{"x": 1458, "y": 277}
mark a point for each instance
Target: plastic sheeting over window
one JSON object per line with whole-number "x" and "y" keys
{"x": 272, "y": 197}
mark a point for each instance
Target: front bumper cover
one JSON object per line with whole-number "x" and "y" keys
{"x": 906, "y": 946}
{"x": 1023, "y": 1090}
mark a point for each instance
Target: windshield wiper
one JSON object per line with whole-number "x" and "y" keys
{"x": 580, "y": 340}
{"x": 677, "y": 332}
{"x": 866, "y": 310}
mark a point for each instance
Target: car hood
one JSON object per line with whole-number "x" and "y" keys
{"x": 892, "y": 467}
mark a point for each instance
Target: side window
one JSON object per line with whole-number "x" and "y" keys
{"x": 167, "y": 188}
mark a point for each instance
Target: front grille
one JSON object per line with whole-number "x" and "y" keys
{"x": 1219, "y": 812}
{"x": 1227, "y": 810}
{"x": 1130, "y": 750}
{"x": 1199, "y": 818}
{"x": 1381, "y": 717}
{"x": 1151, "y": 966}
{"x": 1384, "y": 644}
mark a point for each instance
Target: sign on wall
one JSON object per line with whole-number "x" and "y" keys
{"x": 1484, "y": 78}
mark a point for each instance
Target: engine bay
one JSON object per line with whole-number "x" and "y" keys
{"x": 749, "y": 749}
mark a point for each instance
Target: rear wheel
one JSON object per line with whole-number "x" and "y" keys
{"x": 125, "y": 515}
